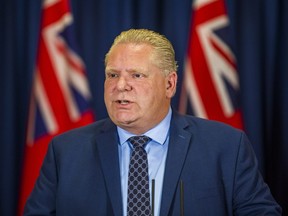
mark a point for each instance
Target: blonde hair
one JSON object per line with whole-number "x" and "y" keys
{"x": 163, "y": 52}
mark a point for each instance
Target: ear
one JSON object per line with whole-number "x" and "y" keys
{"x": 171, "y": 84}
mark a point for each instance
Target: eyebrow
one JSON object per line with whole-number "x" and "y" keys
{"x": 132, "y": 70}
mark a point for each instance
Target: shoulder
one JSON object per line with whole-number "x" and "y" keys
{"x": 200, "y": 125}
{"x": 208, "y": 132}
{"x": 84, "y": 134}
{"x": 93, "y": 128}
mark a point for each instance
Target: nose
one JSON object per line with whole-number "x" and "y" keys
{"x": 123, "y": 84}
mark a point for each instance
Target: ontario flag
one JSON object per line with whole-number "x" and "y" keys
{"x": 211, "y": 84}
{"x": 60, "y": 95}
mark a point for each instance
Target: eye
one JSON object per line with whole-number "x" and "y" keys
{"x": 111, "y": 75}
{"x": 138, "y": 75}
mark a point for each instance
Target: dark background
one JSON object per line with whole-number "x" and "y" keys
{"x": 260, "y": 35}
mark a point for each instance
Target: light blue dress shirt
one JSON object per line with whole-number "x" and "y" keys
{"x": 156, "y": 150}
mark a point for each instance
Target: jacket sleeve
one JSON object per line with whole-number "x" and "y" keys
{"x": 251, "y": 195}
{"x": 42, "y": 200}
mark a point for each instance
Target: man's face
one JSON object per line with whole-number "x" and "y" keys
{"x": 137, "y": 93}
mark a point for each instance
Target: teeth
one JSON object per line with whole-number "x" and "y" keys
{"x": 123, "y": 101}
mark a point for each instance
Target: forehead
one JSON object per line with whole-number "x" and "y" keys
{"x": 130, "y": 56}
{"x": 126, "y": 51}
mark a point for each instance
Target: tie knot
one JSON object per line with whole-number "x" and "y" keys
{"x": 139, "y": 141}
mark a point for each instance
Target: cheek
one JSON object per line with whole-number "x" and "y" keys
{"x": 106, "y": 85}
{"x": 151, "y": 97}
{"x": 159, "y": 90}
{"x": 107, "y": 96}
{"x": 108, "y": 89}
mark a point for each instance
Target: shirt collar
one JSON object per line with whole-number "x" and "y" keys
{"x": 159, "y": 133}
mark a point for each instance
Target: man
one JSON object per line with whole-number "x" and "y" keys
{"x": 198, "y": 167}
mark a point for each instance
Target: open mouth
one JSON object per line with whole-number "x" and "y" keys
{"x": 123, "y": 102}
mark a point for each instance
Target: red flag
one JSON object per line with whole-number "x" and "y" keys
{"x": 211, "y": 85}
{"x": 60, "y": 94}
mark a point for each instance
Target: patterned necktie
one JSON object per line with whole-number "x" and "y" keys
{"x": 138, "y": 179}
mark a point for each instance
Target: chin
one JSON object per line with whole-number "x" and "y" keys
{"x": 125, "y": 122}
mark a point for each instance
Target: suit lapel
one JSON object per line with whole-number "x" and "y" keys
{"x": 107, "y": 144}
{"x": 178, "y": 147}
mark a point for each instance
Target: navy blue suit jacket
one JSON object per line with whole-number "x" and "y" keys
{"x": 80, "y": 174}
